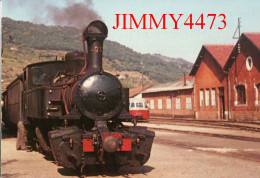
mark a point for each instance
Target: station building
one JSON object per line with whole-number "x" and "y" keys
{"x": 171, "y": 99}
{"x": 224, "y": 83}
{"x": 210, "y": 81}
{"x": 137, "y": 92}
{"x": 227, "y": 80}
{"x": 243, "y": 79}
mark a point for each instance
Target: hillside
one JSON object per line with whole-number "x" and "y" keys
{"x": 24, "y": 42}
{"x": 178, "y": 61}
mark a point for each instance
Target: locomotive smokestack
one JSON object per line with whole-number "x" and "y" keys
{"x": 94, "y": 34}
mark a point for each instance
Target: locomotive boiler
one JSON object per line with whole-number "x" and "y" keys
{"x": 72, "y": 109}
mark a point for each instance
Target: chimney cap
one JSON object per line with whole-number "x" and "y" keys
{"x": 96, "y": 29}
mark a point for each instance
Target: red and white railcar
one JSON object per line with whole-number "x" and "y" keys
{"x": 138, "y": 107}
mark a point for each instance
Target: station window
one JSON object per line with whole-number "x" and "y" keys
{"x": 241, "y": 94}
{"x": 213, "y": 97}
{"x": 178, "y": 103}
{"x": 258, "y": 92}
{"x": 169, "y": 103}
{"x": 201, "y": 97}
{"x": 207, "y": 97}
{"x": 151, "y": 104}
{"x": 188, "y": 103}
{"x": 159, "y": 103}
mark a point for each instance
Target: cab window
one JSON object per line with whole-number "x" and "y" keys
{"x": 38, "y": 76}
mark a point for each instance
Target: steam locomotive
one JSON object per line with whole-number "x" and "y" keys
{"x": 72, "y": 109}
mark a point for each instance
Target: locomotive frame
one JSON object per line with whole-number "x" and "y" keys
{"x": 72, "y": 110}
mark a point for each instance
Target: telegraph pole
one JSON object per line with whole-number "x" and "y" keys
{"x": 238, "y": 49}
{"x": 142, "y": 68}
{"x": 239, "y": 44}
{"x": 237, "y": 29}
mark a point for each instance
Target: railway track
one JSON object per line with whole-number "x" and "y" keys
{"x": 214, "y": 124}
{"x": 226, "y": 136}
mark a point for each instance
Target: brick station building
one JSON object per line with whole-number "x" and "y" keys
{"x": 171, "y": 99}
{"x": 224, "y": 84}
{"x": 210, "y": 81}
{"x": 227, "y": 80}
{"x": 243, "y": 79}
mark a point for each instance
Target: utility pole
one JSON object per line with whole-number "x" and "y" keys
{"x": 142, "y": 69}
{"x": 184, "y": 78}
{"x": 238, "y": 49}
{"x": 238, "y": 45}
{"x": 237, "y": 29}
{"x": 234, "y": 36}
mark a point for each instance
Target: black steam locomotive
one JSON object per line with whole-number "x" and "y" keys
{"x": 72, "y": 109}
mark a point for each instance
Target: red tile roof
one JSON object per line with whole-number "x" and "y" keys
{"x": 254, "y": 38}
{"x": 220, "y": 53}
{"x": 135, "y": 91}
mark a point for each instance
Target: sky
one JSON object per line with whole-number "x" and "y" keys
{"x": 178, "y": 43}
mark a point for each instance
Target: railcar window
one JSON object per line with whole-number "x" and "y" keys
{"x": 132, "y": 105}
{"x": 38, "y": 76}
{"x": 139, "y": 105}
{"x": 145, "y": 105}
{"x": 24, "y": 80}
